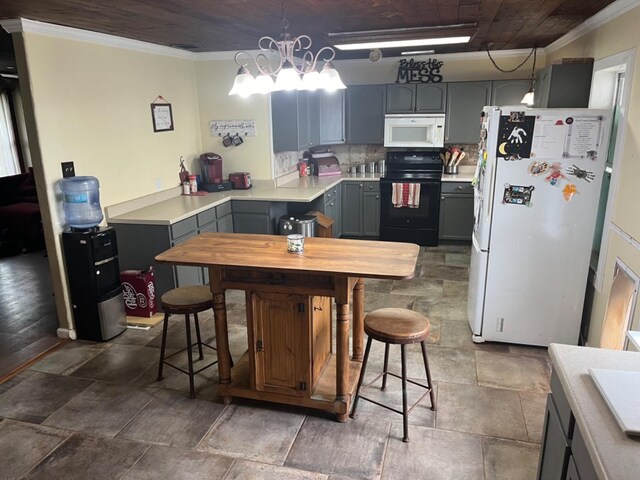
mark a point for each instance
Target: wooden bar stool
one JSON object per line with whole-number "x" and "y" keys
{"x": 192, "y": 299}
{"x": 396, "y": 326}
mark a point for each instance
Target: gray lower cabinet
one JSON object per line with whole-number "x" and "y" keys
{"x": 563, "y": 453}
{"x": 563, "y": 85}
{"x": 371, "y": 214}
{"x": 352, "y": 208}
{"x": 333, "y": 208}
{"x": 465, "y": 101}
{"x": 138, "y": 245}
{"x": 456, "y": 211}
{"x": 509, "y": 92}
{"x": 360, "y": 209}
{"x": 251, "y": 216}
{"x": 365, "y": 107}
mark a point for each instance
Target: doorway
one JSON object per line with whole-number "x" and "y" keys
{"x": 28, "y": 317}
{"x": 610, "y": 89}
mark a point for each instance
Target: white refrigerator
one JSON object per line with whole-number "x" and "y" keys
{"x": 536, "y": 199}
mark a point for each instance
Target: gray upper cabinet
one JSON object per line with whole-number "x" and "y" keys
{"x": 416, "y": 98}
{"x": 401, "y": 98}
{"x": 331, "y": 106}
{"x": 290, "y": 121}
{"x": 465, "y": 101}
{"x": 509, "y": 92}
{"x": 365, "y": 114}
{"x": 431, "y": 97}
{"x": 563, "y": 85}
{"x": 301, "y": 120}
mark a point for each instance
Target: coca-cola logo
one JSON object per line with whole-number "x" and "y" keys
{"x": 151, "y": 291}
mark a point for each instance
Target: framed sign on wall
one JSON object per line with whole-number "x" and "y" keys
{"x": 161, "y": 115}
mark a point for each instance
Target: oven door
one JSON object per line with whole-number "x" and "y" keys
{"x": 426, "y": 215}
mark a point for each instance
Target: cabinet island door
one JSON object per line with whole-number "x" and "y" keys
{"x": 281, "y": 336}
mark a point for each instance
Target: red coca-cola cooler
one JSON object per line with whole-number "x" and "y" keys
{"x": 139, "y": 292}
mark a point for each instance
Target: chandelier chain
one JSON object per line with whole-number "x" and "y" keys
{"x": 532, "y": 52}
{"x": 284, "y": 22}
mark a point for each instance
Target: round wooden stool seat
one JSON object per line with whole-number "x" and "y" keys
{"x": 396, "y": 326}
{"x": 189, "y": 299}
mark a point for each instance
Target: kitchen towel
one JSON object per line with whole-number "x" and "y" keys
{"x": 405, "y": 195}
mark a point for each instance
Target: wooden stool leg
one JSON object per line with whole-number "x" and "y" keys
{"x": 405, "y": 414}
{"x": 195, "y": 316}
{"x": 426, "y": 367}
{"x": 361, "y": 379}
{"x": 164, "y": 344}
{"x": 192, "y": 392}
{"x": 386, "y": 367}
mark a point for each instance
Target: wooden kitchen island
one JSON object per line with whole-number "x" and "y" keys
{"x": 290, "y": 358}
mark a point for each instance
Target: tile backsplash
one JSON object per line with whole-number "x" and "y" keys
{"x": 347, "y": 155}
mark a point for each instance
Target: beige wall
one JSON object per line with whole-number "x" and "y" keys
{"x": 214, "y": 80}
{"x": 90, "y": 104}
{"x": 614, "y": 37}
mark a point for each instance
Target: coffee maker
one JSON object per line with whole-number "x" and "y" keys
{"x": 212, "y": 173}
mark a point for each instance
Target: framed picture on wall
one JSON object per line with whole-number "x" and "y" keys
{"x": 162, "y": 117}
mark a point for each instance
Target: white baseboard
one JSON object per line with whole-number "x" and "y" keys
{"x": 66, "y": 333}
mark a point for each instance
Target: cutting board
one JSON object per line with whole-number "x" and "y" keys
{"x": 621, "y": 391}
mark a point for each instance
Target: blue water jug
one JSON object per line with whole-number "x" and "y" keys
{"x": 81, "y": 202}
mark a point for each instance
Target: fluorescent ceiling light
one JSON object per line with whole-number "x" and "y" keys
{"x": 419, "y": 42}
{"x": 418, "y": 52}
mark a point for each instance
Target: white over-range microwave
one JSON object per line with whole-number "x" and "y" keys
{"x": 414, "y": 130}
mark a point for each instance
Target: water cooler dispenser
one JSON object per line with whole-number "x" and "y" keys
{"x": 91, "y": 257}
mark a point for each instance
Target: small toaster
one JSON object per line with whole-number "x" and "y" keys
{"x": 240, "y": 180}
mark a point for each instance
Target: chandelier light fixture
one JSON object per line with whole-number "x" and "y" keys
{"x": 295, "y": 69}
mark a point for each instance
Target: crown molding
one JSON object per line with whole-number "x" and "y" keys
{"x": 69, "y": 33}
{"x": 610, "y": 12}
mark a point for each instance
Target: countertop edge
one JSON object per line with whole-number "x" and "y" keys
{"x": 600, "y": 413}
{"x": 314, "y": 191}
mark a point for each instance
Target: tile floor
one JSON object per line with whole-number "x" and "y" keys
{"x": 95, "y": 410}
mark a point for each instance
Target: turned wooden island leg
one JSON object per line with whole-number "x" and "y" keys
{"x": 358, "y": 320}
{"x": 222, "y": 334}
{"x": 342, "y": 357}
{"x": 342, "y": 347}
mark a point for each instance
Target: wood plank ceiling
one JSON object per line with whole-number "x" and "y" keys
{"x": 207, "y": 25}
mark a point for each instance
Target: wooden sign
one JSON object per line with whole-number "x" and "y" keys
{"x": 244, "y": 128}
{"x": 410, "y": 71}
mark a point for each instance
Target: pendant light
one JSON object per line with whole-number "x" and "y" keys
{"x": 528, "y": 98}
{"x": 288, "y": 74}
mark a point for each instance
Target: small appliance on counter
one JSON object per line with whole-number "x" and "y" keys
{"x": 212, "y": 173}
{"x": 325, "y": 166}
{"x": 302, "y": 224}
{"x": 240, "y": 180}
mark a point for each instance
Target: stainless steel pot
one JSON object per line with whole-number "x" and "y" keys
{"x": 361, "y": 168}
{"x": 380, "y": 166}
{"x": 370, "y": 167}
{"x": 302, "y": 224}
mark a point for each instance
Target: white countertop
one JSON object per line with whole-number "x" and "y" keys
{"x": 301, "y": 189}
{"x": 465, "y": 174}
{"x": 615, "y": 455}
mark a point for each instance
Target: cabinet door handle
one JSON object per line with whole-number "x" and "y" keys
{"x": 361, "y": 185}
{"x": 442, "y": 198}
{"x": 377, "y": 196}
{"x": 259, "y": 346}
{"x": 332, "y": 204}
{"x": 459, "y": 187}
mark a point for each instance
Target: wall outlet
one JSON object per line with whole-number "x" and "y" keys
{"x": 158, "y": 184}
{"x": 68, "y": 170}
